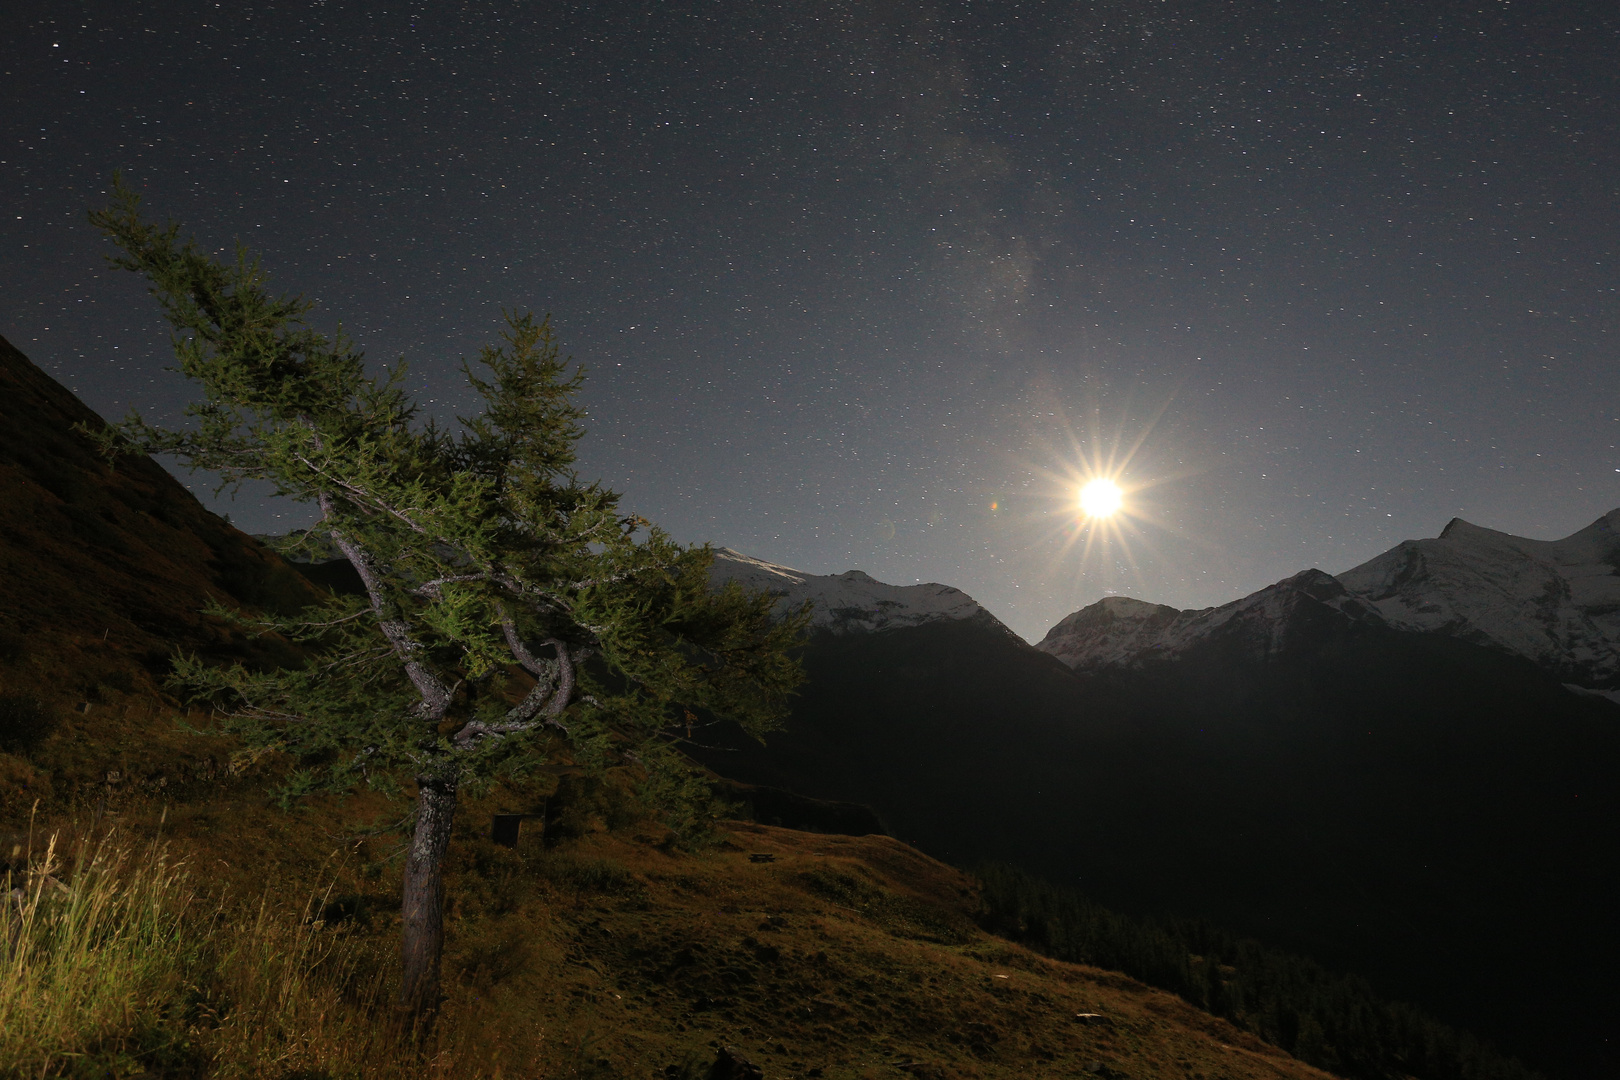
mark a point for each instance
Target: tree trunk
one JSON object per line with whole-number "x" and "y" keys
{"x": 422, "y": 942}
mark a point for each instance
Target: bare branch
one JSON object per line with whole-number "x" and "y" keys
{"x": 520, "y": 650}
{"x": 357, "y": 659}
{"x": 467, "y": 737}
{"x": 331, "y": 622}
{"x": 565, "y": 680}
{"x": 433, "y": 589}
{"x": 260, "y": 713}
{"x": 524, "y": 710}
{"x": 435, "y": 695}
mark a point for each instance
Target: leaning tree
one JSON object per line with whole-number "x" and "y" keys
{"x": 512, "y": 612}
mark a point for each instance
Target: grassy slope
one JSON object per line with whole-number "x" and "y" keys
{"x": 609, "y": 955}
{"x": 106, "y": 573}
{"x": 111, "y": 561}
{"x": 852, "y": 955}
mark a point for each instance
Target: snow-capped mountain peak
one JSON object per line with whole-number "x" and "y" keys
{"x": 852, "y": 601}
{"x": 1119, "y": 631}
{"x": 1111, "y": 631}
{"x": 1556, "y": 602}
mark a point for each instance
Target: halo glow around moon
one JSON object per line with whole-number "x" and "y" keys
{"x": 1100, "y": 498}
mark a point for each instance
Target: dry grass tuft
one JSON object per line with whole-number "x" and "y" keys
{"x": 111, "y": 965}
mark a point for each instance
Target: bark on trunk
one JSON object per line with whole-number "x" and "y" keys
{"x": 422, "y": 943}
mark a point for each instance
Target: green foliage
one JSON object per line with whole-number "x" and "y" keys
{"x": 512, "y": 612}
{"x": 1335, "y": 1022}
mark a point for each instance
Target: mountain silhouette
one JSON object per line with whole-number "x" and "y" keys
{"x": 1426, "y": 811}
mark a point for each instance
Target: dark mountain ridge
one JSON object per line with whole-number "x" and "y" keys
{"x": 1422, "y": 810}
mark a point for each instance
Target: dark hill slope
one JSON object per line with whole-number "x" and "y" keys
{"x": 104, "y": 574}
{"x": 103, "y": 566}
{"x": 953, "y": 732}
{"x": 1435, "y": 816}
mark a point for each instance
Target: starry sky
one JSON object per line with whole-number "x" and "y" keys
{"x": 877, "y": 285}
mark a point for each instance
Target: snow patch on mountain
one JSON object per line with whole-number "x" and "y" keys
{"x": 1119, "y": 631}
{"x": 1556, "y": 602}
{"x": 851, "y": 602}
{"x": 1114, "y": 630}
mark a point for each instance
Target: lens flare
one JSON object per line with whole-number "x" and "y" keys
{"x": 1099, "y": 514}
{"x": 1101, "y": 498}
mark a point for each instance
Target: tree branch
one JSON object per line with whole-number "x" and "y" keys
{"x": 565, "y": 681}
{"x": 468, "y": 735}
{"x": 520, "y": 650}
{"x": 359, "y": 495}
{"x": 435, "y": 695}
{"x": 433, "y": 589}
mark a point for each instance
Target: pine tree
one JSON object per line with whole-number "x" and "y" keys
{"x": 511, "y": 613}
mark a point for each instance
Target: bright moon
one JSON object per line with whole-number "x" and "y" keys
{"x": 1100, "y": 498}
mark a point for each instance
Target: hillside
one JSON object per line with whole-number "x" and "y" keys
{"x": 107, "y": 570}
{"x": 1423, "y": 811}
{"x": 602, "y": 953}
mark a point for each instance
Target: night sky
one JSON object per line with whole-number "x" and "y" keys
{"x": 868, "y": 285}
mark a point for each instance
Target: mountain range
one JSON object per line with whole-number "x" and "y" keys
{"x": 1555, "y": 603}
{"x": 1386, "y": 769}
{"x": 854, "y": 601}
